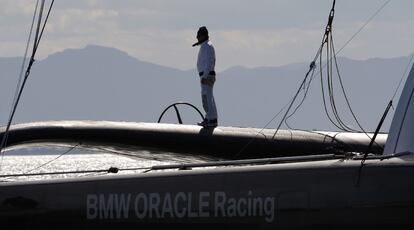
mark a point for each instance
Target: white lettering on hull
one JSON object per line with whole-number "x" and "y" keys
{"x": 179, "y": 205}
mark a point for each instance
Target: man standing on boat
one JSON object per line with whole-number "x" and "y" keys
{"x": 205, "y": 66}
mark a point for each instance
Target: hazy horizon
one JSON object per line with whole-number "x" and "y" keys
{"x": 263, "y": 50}
{"x": 103, "y": 83}
{"x": 258, "y": 33}
{"x": 193, "y": 68}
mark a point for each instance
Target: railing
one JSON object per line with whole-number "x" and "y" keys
{"x": 178, "y": 112}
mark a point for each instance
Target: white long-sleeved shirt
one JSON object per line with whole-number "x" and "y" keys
{"x": 206, "y": 58}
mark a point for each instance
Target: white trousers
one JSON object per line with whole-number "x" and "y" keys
{"x": 209, "y": 104}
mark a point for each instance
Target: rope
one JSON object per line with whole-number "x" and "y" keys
{"x": 358, "y": 31}
{"x": 50, "y": 161}
{"x": 328, "y": 29}
{"x": 372, "y": 141}
{"x": 25, "y": 56}
{"x": 190, "y": 165}
{"x": 267, "y": 124}
{"x": 37, "y": 39}
{"x": 311, "y": 66}
{"x": 19, "y": 81}
{"x": 303, "y": 84}
{"x": 345, "y": 44}
{"x": 110, "y": 170}
{"x": 332, "y": 58}
{"x": 331, "y": 54}
{"x": 363, "y": 26}
{"x": 324, "y": 100}
{"x": 301, "y": 102}
{"x": 44, "y": 24}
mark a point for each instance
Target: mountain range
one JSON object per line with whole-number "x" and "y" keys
{"x": 102, "y": 83}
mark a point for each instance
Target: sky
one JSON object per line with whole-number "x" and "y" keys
{"x": 244, "y": 32}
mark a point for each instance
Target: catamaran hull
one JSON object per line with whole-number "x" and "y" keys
{"x": 222, "y": 142}
{"x": 323, "y": 194}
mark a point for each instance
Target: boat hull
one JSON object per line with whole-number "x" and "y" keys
{"x": 322, "y": 194}
{"x": 221, "y": 142}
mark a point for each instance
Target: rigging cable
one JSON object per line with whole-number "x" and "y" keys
{"x": 303, "y": 85}
{"x": 365, "y": 24}
{"x": 324, "y": 100}
{"x": 340, "y": 124}
{"x": 331, "y": 54}
{"x": 303, "y": 99}
{"x": 54, "y": 159}
{"x": 359, "y": 30}
{"x": 384, "y": 115}
{"x": 260, "y": 132}
{"x": 330, "y": 88}
{"x": 24, "y": 57}
{"x": 311, "y": 66}
{"x": 390, "y": 105}
{"x": 275, "y": 160}
{"x": 19, "y": 81}
{"x": 328, "y": 40}
{"x": 348, "y": 103}
{"x": 346, "y": 43}
{"x": 38, "y": 37}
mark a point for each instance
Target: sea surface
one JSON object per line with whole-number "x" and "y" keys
{"x": 69, "y": 161}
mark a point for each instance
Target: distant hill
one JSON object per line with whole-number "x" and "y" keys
{"x": 101, "y": 83}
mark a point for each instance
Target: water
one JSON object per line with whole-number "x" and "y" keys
{"x": 60, "y": 158}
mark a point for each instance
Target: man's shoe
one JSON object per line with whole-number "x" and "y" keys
{"x": 208, "y": 123}
{"x": 212, "y": 123}
{"x": 203, "y": 123}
